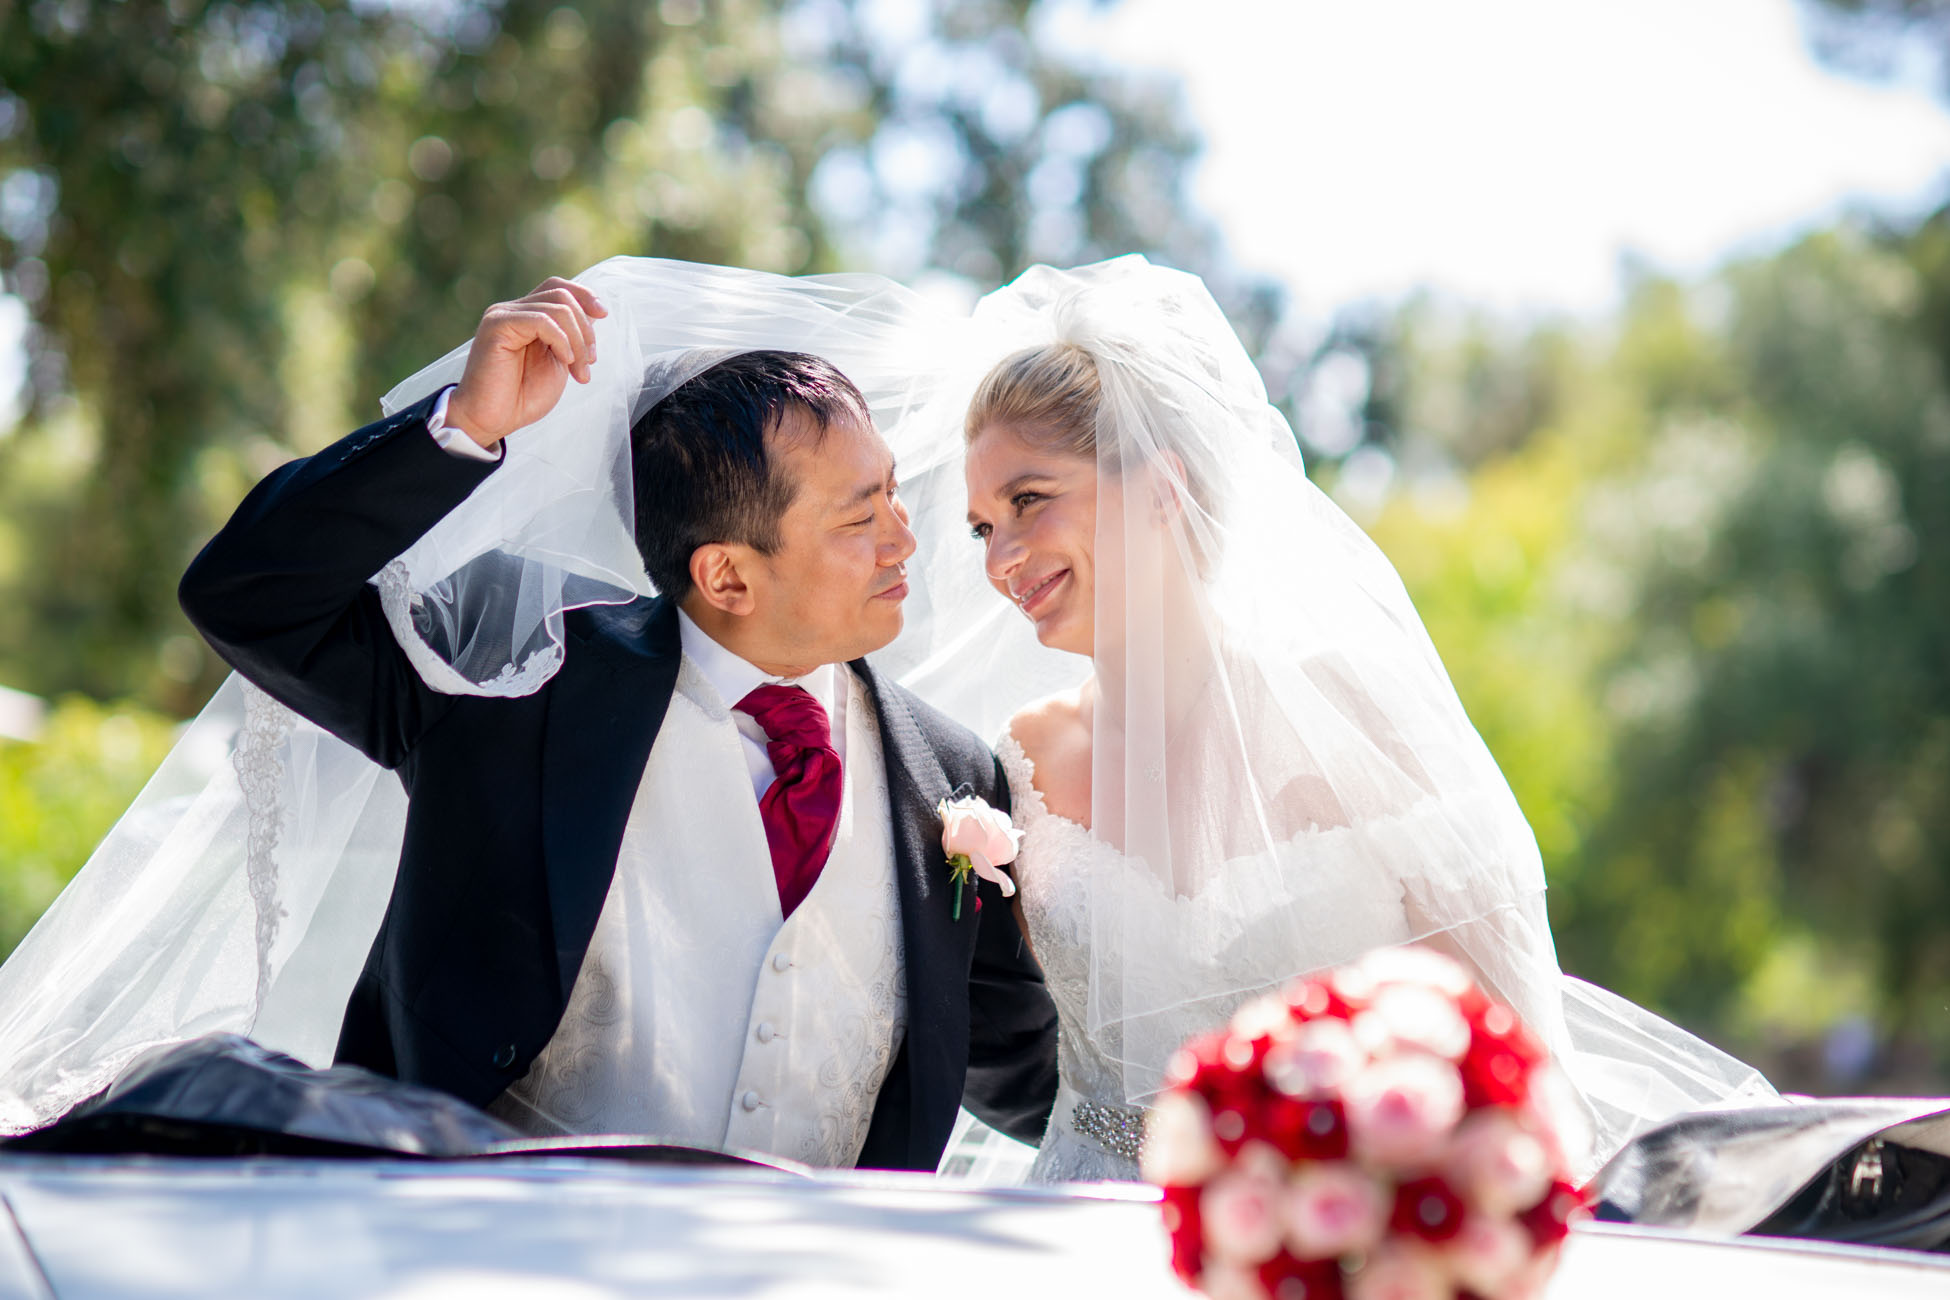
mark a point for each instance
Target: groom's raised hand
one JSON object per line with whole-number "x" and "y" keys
{"x": 524, "y": 354}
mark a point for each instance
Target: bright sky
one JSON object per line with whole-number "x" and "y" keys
{"x": 1508, "y": 151}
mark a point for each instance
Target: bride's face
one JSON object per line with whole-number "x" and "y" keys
{"x": 1034, "y": 509}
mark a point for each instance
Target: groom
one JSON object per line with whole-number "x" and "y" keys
{"x": 693, "y": 886}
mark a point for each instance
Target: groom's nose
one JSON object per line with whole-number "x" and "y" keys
{"x": 896, "y": 549}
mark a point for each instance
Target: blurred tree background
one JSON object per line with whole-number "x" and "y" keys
{"x": 1686, "y": 565}
{"x": 1688, "y": 569}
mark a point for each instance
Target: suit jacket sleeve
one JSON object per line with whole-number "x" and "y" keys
{"x": 1011, "y": 1020}
{"x": 282, "y": 592}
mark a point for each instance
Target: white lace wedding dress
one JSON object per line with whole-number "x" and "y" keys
{"x": 1632, "y": 1068}
{"x": 1054, "y": 851}
{"x": 1063, "y": 871}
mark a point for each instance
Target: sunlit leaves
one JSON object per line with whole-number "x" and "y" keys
{"x": 1697, "y": 604}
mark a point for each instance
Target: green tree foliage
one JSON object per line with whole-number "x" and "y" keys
{"x": 162, "y": 170}
{"x": 1697, "y": 604}
{"x": 235, "y": 224}
{"x": 1787, "y": 675}
{"x": 58, "y": 794}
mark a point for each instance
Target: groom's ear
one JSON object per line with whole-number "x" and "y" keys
{"x": 717, "y": 577}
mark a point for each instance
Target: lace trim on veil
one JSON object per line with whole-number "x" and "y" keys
{"x": 399, "y": 598}
{"x": 260, "y": 774}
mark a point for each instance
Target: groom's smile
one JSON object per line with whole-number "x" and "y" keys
{"x": 896, "y": 588}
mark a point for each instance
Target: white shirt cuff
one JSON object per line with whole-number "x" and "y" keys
{"x": 452, "y": 440}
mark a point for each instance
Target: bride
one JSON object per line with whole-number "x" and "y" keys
{"x": 1264, "y": 769}
{"x": 1246, "y": 763}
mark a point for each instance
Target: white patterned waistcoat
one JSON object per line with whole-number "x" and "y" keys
{"x": 698, "y": 1017}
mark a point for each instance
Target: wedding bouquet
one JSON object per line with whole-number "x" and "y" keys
{"x": 1385, "y": 1131}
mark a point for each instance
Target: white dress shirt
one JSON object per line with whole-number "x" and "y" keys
{"x": 734, "y": 678}
{"x": 452, "y": 440}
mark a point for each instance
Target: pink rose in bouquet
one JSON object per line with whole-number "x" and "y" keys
{"x": 1499, "y": 1163}
{"x": 1403, "y": 1106}
{"x": 1317, "y": 1061}
{"x": 1385, "y": 1133}
{"x": 1489, "y": 1255}
{"x": 1334, "y": 1209}
{"x": 1401, "y": 1271}
{"x": 1241, "y": 1207}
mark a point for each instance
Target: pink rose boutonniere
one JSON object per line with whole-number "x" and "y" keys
{"x": 979, "y": 841}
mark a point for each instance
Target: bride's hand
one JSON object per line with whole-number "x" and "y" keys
{"x": 523, "y": 356}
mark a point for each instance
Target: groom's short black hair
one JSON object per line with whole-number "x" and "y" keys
{"x": 699, "y": 463}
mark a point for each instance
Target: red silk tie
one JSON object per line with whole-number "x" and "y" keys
{"x": 801, "y": 808}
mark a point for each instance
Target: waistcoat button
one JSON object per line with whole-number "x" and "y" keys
{"x": 505, "y": 1058}
{"x": 765, "y": 1032}
{"x": 781, "y": 962}
{"x": 750, "y": 1101}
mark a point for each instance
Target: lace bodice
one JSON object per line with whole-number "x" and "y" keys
{"x": 1079, "y": 892}
{"x": 1053, "y": 850}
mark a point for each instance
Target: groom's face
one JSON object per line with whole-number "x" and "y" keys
{"x": 834, "y": 588}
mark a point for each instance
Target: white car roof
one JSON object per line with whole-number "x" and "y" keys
{"x": 92, "y": 1228}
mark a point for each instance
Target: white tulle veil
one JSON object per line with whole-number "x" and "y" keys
{"x": 1278, "y": 755}
{"x": 243, "y": 888}
{"x": 1283, "y": 762}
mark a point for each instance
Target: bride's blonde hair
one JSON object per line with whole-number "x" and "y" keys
{"x": 1050, "y": 392}
{"x": 1051, "y": 396}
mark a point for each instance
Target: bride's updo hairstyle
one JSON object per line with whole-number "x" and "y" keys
{"x": 1048, "y": 394}
{"x": 1052, "y": 397}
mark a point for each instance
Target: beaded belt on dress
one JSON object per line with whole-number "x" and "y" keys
{"x": 1117, "y": 1129}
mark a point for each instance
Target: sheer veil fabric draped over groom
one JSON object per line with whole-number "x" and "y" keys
{"x": 556, "y": 778}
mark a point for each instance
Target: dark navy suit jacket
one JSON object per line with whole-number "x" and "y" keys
{"x": 517, "y": 806}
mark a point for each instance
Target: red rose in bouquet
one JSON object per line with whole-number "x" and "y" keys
{"x": 1387, "y": 1131}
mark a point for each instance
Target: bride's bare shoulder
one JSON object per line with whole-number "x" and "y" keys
{"x": 1050, "y": 725}
{"x": 1054, "y": 734}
